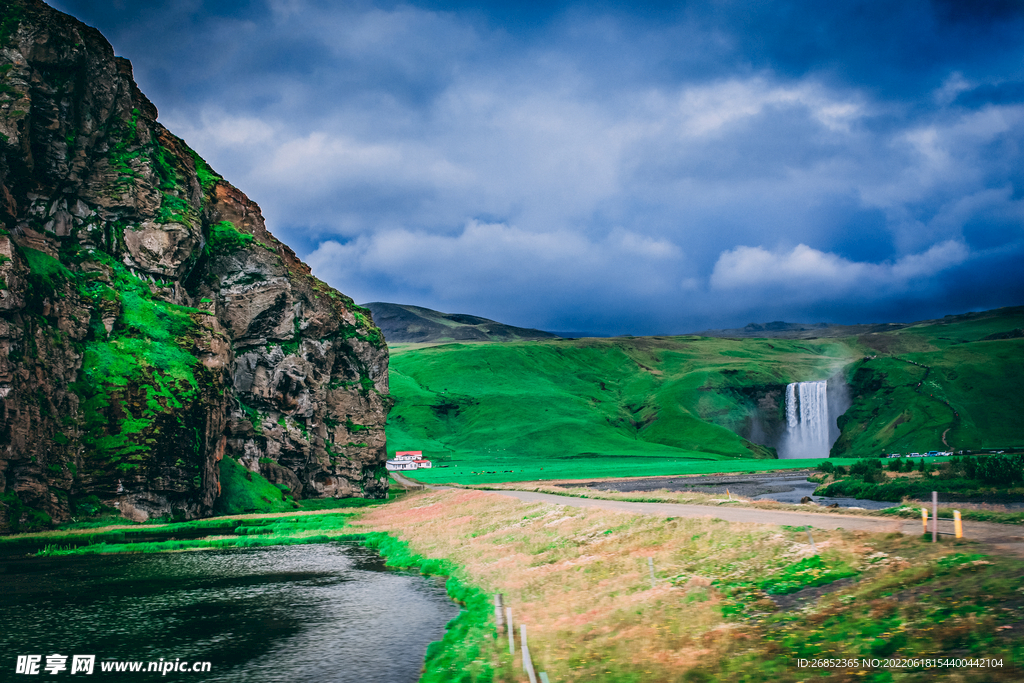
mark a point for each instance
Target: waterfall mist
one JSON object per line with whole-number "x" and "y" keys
{"x": 811, "y": 412}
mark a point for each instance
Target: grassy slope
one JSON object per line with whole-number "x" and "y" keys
{"x": 928, "y": 379}
{"x": 669, "y": 402}
{"x": 661, "y": 397}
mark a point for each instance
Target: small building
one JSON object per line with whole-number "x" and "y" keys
{"x": 393, "y": 465}
{"x": 408, "y": 460}
{"x": 408, "y": 455}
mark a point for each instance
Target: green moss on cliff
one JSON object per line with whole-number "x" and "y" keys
{"x": 207, "y": 176}
{"x": 45, "y": 279}
{"x": 23, "y": 518}
{"x": 225, "y": 237}
{"x": 142, "y": 377}
{"x": 11, "y": 14}
{"x": 244, "y": 491}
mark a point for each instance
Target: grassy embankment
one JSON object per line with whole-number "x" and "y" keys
{"x": 677, "y": 405}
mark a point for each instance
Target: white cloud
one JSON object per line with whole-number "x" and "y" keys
{"x": 951, "y": 88}
{"x": 711, "y": 108}
{"x": 810, "y": 274}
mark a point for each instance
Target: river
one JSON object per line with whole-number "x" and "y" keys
{"x": 325, "y": 613}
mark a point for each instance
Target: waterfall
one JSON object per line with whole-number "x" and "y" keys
{"x": 807, "y": 422}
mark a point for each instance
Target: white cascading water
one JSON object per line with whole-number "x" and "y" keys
{"x": 806, "y": 420}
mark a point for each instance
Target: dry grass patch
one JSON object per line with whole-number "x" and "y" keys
{"x": 579, "y": 578}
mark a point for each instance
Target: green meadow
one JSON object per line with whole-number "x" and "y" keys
{"x": 580, "y": 408}
{"x": 508, "y": 469}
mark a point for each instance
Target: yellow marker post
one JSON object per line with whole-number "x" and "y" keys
{"x": 958, "y": 525}
{"x": 924, "y": 520}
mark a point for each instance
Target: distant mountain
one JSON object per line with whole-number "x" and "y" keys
{"x": 403, "y": 324}
{"x": 784, "y": 330}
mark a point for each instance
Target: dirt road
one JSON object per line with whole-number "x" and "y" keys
{"x": 1005, "y": 537}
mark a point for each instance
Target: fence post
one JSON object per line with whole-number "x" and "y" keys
{"x": 511, "y": 631}
{"x": 935, "y": 515}
{"x": 924, "y": 520}
{"x": 499, "y": 613}
{"x": 958, "y": 525}
{"x": 650, "y": 565}
{"x": 814, "y": 548}
{"x": 544, "y": 677}
{"x": 527, "y": 661}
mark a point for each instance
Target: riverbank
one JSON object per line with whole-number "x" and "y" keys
{"x": 730, "y": 601}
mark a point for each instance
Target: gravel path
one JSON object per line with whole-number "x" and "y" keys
{"x": 1003, "y": 537}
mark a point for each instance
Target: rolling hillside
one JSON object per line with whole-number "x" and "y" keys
{"x": 402, "y": 324}
{"x": 682, "y": 398}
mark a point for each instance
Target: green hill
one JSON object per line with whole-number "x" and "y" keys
{"x": 956, "y": 383}
{"x": 663, "y": 399}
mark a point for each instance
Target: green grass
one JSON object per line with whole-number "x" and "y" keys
{"x": 553, "y": 409}
{"x": 243, "y": 491}
{"x": 494, "y": 470}
{"x": 668, "y": 397}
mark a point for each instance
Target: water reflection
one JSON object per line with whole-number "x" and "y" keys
{"x": 326, "y": 612}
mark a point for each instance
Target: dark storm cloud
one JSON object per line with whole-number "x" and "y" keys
{"x": 603, "y": 167}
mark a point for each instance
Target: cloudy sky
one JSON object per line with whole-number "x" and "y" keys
{"x": 597, "y": 167}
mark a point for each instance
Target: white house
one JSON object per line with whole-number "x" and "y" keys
{"x": 408, "y": 460}
{"x": 393, "y": 465}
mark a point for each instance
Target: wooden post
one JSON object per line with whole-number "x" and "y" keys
{"x": 924, "y": 520}
{"x": 499, "y": 613}
{"x": 527, "y": 661}
{"x": 544, "y": 677}
{"x": 650, "y": 565}
{"x": 728, "y": 494}
{"x": 511, "y": 631}
{"x": 958, "y": 525}
{"x": 935, "y": 516}
{"x": 814, "y": 548}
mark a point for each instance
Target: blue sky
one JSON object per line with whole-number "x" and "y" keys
{"x": 597, "y": 167}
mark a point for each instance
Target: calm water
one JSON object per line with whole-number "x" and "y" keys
{"x": 798, "y": 487}
{"x": 323, "y": 613}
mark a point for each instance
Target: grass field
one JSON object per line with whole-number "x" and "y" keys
{"x": 675, "y": 405}
{"x": 507, "y": 469}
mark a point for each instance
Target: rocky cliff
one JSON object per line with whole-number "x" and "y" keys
{"x": 150, "y": 325}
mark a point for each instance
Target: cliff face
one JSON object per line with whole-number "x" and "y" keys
{"x": 149, "y": 323}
